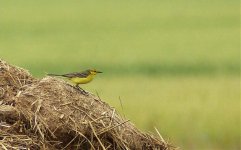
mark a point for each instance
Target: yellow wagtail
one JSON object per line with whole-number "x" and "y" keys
{"x": 79, "y": 77}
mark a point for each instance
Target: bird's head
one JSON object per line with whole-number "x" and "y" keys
{"x": 94, "y": 71}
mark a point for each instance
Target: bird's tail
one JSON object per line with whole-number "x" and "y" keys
{"x": 50, "y": 74}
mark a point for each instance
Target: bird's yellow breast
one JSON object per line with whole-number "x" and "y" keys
{"x": 78, "y": 80}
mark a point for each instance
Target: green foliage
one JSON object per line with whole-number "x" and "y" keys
{"x": 160, "y": 37}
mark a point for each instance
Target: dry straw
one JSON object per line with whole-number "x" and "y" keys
{"x": 50, "y": 114}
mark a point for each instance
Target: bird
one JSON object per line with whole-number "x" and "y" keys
{"x": 78, "y": 78}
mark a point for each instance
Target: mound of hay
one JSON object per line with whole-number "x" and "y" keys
{"x": 50, "y": 114}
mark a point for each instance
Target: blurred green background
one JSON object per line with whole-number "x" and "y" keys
{"x": 174, "y": 64}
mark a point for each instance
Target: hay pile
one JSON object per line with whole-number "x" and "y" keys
{"x": 50, "y": 114}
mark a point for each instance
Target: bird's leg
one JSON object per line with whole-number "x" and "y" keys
{"x": 80, "y": 89}
{"x": 77, "y": 86}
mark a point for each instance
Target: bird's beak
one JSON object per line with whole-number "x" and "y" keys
{"x": 99, "y": 72}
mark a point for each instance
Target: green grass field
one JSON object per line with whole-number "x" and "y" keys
{"x": 194, "y": 112}
{"x": 175, "y": 64}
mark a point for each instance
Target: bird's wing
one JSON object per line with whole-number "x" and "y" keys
{"x": 77, "y": 74}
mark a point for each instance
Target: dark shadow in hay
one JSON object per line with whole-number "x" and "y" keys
{"x": 50, "y": 114}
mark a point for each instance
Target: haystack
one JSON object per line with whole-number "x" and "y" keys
{"x": 50, "y": 114}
